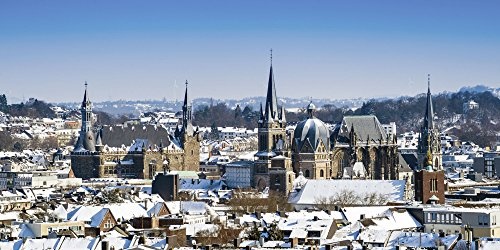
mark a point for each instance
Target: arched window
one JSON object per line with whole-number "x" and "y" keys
{"x": 321, "y": 173}
{"x": 306, "y": 174}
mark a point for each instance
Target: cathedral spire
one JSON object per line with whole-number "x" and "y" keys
{"x": 186, "y": 100}
{"x": 429, "y": 111}
{"x": 85, "y": 97}
{"x": 271, "y": 99}
{"x": 186, "y": 109}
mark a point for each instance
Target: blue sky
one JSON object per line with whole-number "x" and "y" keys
{"x": 325, "y": 49}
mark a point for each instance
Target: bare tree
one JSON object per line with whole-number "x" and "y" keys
{"x": 347, "y": 197}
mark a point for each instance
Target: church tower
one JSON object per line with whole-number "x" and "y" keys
{"x": 187, "y": 110}
{"x": 188, "y": 137}
{"x": 86, "y": 139}
{"x": 272, "y": 139}
{"x": 429, "y": 144}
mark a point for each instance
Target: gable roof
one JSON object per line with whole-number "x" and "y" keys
{"x": 366, "y": 127}
{"x": 393, "y": 190}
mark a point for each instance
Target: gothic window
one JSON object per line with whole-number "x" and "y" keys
{"x": 306, "y": 174}
{"x": 321, "y": 173}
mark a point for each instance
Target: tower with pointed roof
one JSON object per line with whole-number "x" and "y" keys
{"x": 187, "y": 136}
{"x": 273, "y": 142}
{"x": 429, "y": 145}
{"x": 86, "y": 139}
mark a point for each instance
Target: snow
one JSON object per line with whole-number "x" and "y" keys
{"x": 14, "y": 245}
{"x": 353, "y": 214}
{"x": 393, "y": 190}
{"x": 41, "y": 244}
{"x": 79, "y": 243}
{"x": 189, "y": 207}
{"x": 96, "y": 220}
{"x": 413, "y": 239}
{"x": 60, "y": 212}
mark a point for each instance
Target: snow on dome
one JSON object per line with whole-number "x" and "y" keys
{"x": 314, "y": 131}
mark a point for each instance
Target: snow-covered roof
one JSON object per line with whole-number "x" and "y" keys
{"x": 392, "y": 190}
{"x": 191, "y": 207}
{"x": 353, "y": 214}
{"x": 203, "y": 184}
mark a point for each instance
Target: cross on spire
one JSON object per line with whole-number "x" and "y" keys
{"x": 271, "y": 56}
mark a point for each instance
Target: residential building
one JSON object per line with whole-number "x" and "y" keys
{"x": 488, "y": 164}
{"x": 239, "y": 174}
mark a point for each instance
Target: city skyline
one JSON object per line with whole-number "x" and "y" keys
{"x": 136, "y": 51}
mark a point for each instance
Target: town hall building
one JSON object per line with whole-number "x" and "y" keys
{"x": 134, "y": 152}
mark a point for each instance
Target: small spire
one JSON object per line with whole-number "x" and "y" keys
{"x": 429, "y": 83}
{"x": 283, "y": 118}
{"x": 186, "y": 101}
{"x": 85, "y": 94}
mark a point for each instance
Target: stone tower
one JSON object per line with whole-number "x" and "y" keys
{"x": 86, "y": 139}
{"x": 188, "y": 137}
{"x": 272, "y": 143}
{"x": 429, "y": 140}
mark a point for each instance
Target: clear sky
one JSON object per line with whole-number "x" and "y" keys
{"x": 325, "y": 49}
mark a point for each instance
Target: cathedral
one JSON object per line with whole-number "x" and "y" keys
{"x": 358, "y": 147}
{"x": 429, "y": 142}
{"x": 101, "y": 152}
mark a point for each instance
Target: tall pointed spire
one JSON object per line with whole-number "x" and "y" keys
{"x": 271, "y": 99}
{"x": 85, "y": 97}
{"x": 429, "y": 111}
{"x": 186, "y": 109}
{"x": 186, "y": 100}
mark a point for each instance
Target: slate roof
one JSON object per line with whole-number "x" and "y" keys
{"x": 365, "y": 127}
{"x": 116, "y": 136}
{"x": 408, "y": 161}
{"x": 312, "y": 130}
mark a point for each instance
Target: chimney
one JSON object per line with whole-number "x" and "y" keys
{"x": 237, "y": 242}
{"x": 104, "y": 245}
{"x": 362, "y": 216}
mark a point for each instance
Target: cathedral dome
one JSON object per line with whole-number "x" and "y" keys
{"x": 313, "y": 131}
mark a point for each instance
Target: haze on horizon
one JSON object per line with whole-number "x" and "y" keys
{"x": 135, "y": 50}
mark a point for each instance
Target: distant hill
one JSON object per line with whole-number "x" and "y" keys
{"x": 479, "y": 125}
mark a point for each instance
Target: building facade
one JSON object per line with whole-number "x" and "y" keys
{"x": 101, "y": 152}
